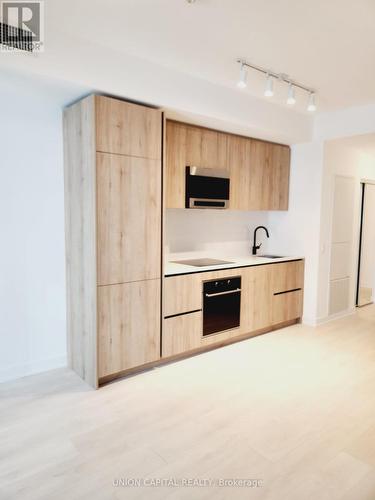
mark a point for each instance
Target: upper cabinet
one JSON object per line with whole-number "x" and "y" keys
{"x": 259, "y": 171}
{"x": 127, "y": 129}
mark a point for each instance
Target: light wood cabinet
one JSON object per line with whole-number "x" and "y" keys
{"x": 182, "y": 294}
{"x": 113, "y": 175}
{"x": 129, "y": 325}
{"x": 188, "y": 145}
{"x": 129, "y": 218}
{"x": 287, "y": 306}
{"x": 127, "y": 129}
{"x": 181, "y": 334}
{"x": 287, "y": 289}
{"x": 259, "y": 170}
{"x": 268, "y": 298}
{"x": 287, "y": 276}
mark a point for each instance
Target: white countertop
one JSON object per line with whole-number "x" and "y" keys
{"x": 172, "y": 268}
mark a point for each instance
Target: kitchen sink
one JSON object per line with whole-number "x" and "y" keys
{"x": 271, "y": 256}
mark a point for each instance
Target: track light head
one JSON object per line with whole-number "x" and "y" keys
{"x": 268, "y": 92}
{"x": 242, "y": 82}
{"x": 312, "y": 104}
{"x": 291, "y": 95}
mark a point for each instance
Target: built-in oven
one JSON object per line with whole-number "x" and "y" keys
{"x": 221, "y": 305}
{"x": 206, "y": 187}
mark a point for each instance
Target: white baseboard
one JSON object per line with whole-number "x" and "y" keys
{"x": 333, "y": 317}
{"x": 42, "y": 365}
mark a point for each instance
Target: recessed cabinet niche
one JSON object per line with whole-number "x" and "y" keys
{"x": 259, "y": 170}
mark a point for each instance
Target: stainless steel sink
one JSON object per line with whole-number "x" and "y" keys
{"x": 271, "y": 256}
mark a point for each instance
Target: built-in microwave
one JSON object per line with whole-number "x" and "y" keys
{"x": 206, "y": 187}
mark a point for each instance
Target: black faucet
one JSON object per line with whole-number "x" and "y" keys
{"x": 255, "y": 246}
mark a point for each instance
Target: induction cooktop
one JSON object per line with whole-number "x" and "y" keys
{"x": 203, "y": 262}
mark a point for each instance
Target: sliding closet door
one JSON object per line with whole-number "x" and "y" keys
{"x": 366, "y": 269}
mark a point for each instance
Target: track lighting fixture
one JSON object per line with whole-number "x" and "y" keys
{"x": 281, "y": 77}
{"x": 268, "y": 92}
{"x": 291, "y": 95}
{"x": 243, "y": 77}
{"x": 312, "y": 105}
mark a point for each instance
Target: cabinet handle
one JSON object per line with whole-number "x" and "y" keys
{"x": 223, "y": 293}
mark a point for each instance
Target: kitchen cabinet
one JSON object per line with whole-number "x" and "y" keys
{"x": 127, "y": 129}
{"x": 188, "y": 145}
{"x": 113, "y": 172}
{"x": 259, "y": 170}
{"x": 128, "y": 315}
{"x": 129, "y": 220}
{"x": 271, "y": 295}
{"x": 286, "y": 306}
{"x": 182, "y": 294}
{"x": 181, "y": 334}
{"x": 287, "y": 290}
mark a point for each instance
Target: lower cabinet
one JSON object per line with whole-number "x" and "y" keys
{"x": 128, "y": 326}
{"x": 286, "y": 306}
{"x": 181, "y": 333}
{"x": 271, "y": 294}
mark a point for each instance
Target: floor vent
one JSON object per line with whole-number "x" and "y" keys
{"x": 16, "y": 38}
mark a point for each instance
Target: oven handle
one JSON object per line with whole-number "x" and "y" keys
{"x": 223, "y": 293}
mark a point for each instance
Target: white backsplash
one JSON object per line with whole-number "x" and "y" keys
{"x": 214, "y": 233}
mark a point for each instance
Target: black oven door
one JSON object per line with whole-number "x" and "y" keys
{"x": 221, "y": 305}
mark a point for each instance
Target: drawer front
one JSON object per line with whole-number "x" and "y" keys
{"x": 287, "y": 307}
{"x": 128, "y": 325}
{"x": 287, "y": 276}
{"x": 182, "y": 294}
{"x": 181, "y": 334}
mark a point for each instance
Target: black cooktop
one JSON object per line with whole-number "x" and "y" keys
{"x": 202, "y": 262}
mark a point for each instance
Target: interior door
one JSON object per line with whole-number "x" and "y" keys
{"x": 366, "y": 267}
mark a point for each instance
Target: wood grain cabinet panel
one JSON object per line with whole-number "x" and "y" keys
{"x": 127, "y": 128}
{"x": 181, "y": 334}
{"x": 128, "y": 325}
{"x": 287, "y": 306}
{"x": 187, "y": 145}
{"x": 238, "y": 158}
{"x": 182, "y": 294}
{"x": 287, "y": 276}
{"x": 175, "y": 164}
{"x": 259, "y": 170}
{"x": 279, "y": 161}
{"x": 128, "y": 218}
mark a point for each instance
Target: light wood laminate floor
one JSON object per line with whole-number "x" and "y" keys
{"x": 294, "y": 408}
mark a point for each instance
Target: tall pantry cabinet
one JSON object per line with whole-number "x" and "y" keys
{"x": 113, "y": 175}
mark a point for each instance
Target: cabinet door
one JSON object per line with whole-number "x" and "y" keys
{"x": 287, "y": 306}
{"x": 287, "y": 276}
{"x": 127, "y": 128}
{"x": 175, "y": 164}
{"x": 238, "y": 154}
{"x": 279, "y": 159}
{"x": 256, "y": 298}
{"x": 128, "y": 219}
{"x": 128, "y": 325}
{"x": 187, "y": 145}
{"x": 182, "y": 294}
{"x": 181, "y": 334}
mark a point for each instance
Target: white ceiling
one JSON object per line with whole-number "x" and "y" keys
{"x": 328, "y": 45}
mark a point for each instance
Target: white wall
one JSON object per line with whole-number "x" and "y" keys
{"x": 213, "y": 232}
{"x": 32, "y": 262}
{"x": 296, "y": 232}
{"x": 341, "y": 158}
